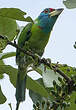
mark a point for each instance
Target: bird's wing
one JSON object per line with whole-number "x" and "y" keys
{"x": 24, "y": 36}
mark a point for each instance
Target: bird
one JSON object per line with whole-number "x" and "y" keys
{"x": 34, "y": 37}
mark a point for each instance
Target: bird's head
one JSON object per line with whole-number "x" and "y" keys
{"x": 48, "y": 17}
{"x": 51, "y": 12}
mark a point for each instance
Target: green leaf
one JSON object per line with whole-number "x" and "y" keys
{"x": 1, "y": 62}
{"x": 10, "y": 106}
{"x": 38, "y": 70}
{"x": 3, "y": 44}
{"x": 28, "y": 19}
{"x": 36, "y": 87}
{"x": 14, "y": 13}
{"x": 72, "y": 101}
{"x": 1, "y": 75}
{"x": 49, "y": 75}
{"x": 35, "y": 96}
{"x": 8, "y": 27}
{"x": 70, "y": 4}
{"x": 2, "y": 97}
{"x": 31, "y": 84}
{"x": 7, "y": 55}
{"x": 68, "y": 70}
{"x": 12, "y": 72}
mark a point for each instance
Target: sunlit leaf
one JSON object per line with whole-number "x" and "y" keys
{"x": 48, "y": 76}
{"x": 8, "y": 27}
{"x": 70, "y": 4}
{"x": 14, "y": 13}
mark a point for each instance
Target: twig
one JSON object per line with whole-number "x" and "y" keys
{"x": 16, "y": 46}
{"x": 44, "y": 61}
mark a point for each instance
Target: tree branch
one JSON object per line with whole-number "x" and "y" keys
{"x": 44, "y": 61}
{"x": 55, "y": 68}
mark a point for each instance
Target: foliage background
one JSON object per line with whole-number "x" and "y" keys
{"x": 60, "y": 47}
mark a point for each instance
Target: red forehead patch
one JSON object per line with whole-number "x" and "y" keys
{"x": 51, "y": 9}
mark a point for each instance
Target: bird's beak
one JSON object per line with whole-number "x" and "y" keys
{"x": 56, "y": 12}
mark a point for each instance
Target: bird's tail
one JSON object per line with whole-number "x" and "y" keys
{"x": 20, "y": 87}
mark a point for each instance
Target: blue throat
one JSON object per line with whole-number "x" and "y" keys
{"x": 46, "y": 22}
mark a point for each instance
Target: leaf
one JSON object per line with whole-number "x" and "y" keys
{"x": 1, "y": 62}
{"x": 72, "y": 101}
{"x": 14, "y": 13}
{"x": 7, "y": 55}
{"x": 3, "y": 44}
{"x": 2, "y": 97}
{"x": 8, "y": 27}
{"x": 10, "y": 106}
{"x": 35, "y": 96}
{"x": 37, "y": 69}
{"x": 68, "y": 70}
{"x": 28, "y": 19}
{"x": 36, "y": 87}
{"x": 12, "y": 72}
{"x": 70, "y": 4}
{"x": 31, "y": 84}
{"x": 48, "y": 76}
{"x": 1, "y": 75}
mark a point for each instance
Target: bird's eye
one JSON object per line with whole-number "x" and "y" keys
{"x": 46, "y": 11}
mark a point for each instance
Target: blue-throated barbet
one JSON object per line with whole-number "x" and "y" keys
{"x": 34, "y": 37}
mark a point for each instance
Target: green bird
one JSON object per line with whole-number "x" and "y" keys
{"x": 34, "y": 37}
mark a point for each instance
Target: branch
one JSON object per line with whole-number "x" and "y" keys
{"x": 55, "y": 68}
{"x": 44, "y": 61}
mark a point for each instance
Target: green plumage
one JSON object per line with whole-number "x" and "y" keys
{"x": 34, "y": 37}
{"x": 22, "y": 64}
